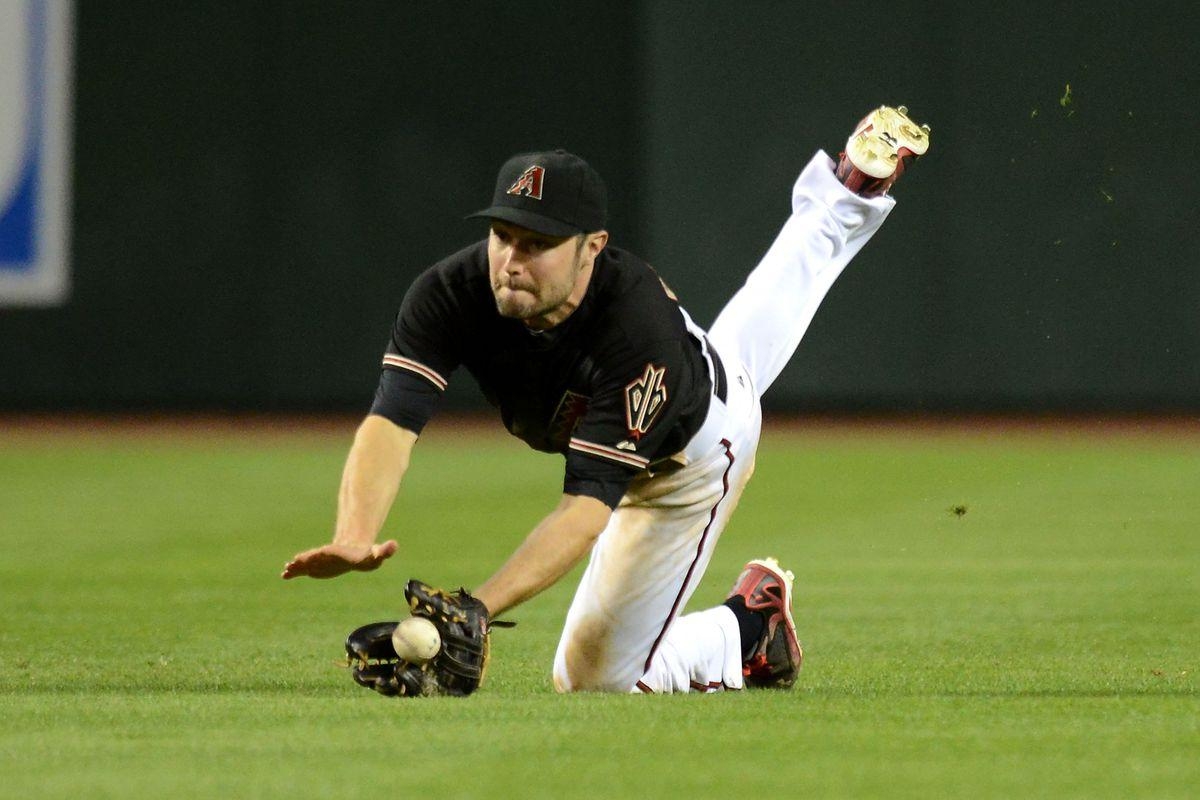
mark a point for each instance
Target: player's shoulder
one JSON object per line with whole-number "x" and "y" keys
{"x": 467, "y": 264}
{"x": 462, "y": 272}
{"x": 634, "y": 297}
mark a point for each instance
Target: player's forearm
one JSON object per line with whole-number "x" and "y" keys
{"x": 377, "y": 462}
{"x": 557, "y": 544}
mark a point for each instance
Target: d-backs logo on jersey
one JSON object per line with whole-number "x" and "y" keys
{"x": 566, "y": 418}
{"x": 530, "y": 183}
{"x": 645, "y": 399}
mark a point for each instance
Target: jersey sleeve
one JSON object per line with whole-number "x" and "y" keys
{"x": 632, "y": 419}
{"x": 421, "y": 355}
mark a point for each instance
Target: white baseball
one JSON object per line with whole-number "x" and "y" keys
{"x": 416, "y": 640}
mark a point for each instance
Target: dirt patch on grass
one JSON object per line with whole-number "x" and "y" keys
{"x": 167, "y": 426}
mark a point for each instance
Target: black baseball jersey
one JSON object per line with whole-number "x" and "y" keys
{"x": 617, "y": 386}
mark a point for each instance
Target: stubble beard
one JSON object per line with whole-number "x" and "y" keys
{"x": 523, "y": 304}
{"x": 518, "y": 304}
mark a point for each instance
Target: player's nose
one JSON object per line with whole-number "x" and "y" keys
{"x": 512, "y": 261}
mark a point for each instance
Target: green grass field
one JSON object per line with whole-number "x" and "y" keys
{"x": 1046, "y": 643}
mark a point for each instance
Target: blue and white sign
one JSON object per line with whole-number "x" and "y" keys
{"x": 35, "y": 122}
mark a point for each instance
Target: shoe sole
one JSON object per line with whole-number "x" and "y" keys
{"x": 876, "y": 146}
{"x": 785, "y": 578}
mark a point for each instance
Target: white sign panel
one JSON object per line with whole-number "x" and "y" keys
{"x": 35, "y": 121}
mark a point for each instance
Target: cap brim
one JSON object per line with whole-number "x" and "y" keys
{"x": 528, "y": 219}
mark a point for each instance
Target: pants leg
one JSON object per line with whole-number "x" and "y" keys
{"x": 764, "y": 321}
{"x": 623, "y": 630}
{"x": 649, "y": 560}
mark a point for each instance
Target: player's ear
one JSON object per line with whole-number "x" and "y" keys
{"x": 596, "y": 242}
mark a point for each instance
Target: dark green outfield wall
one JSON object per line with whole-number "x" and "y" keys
{"x": 257, "y": 183}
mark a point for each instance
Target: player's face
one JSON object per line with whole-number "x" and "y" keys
{"x": 536, "y": 278}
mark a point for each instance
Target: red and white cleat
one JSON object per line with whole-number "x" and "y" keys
{"x": 767, "y": 588}
{"x": 882, "y": 145}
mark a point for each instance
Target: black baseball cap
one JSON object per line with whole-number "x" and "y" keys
{"x": 552, "y": 192}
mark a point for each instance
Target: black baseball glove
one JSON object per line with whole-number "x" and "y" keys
{"x": 457, "y": 669}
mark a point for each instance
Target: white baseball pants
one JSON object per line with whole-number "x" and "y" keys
{"x": 623, "y": 630}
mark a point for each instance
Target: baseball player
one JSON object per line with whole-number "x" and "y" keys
{"x": 587, "y": 353}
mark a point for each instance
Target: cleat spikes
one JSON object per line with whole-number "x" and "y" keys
{"x": 882, "y": 145}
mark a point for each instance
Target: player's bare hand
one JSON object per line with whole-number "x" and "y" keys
{"x": 332, "y": 560}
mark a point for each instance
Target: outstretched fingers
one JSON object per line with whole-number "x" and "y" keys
{"x": 382, "y": 552}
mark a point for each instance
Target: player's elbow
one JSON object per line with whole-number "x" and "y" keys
{"x": 588, "y": 516}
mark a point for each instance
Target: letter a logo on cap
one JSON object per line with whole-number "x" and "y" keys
{"x": 529, "y": 184}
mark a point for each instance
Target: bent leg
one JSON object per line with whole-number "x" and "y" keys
{"x": 623, "y": 626}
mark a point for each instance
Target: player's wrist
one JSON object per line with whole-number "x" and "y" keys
{"x": 355, "y": 544}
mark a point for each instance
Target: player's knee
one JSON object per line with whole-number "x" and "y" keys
{"x": 562, "y": 682}
{"x": 571, "y": 674}
{"x": 585, "y": 661}
{"x": 565, "y": 683}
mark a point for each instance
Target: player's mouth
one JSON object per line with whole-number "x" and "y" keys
{"x": 514, "y": 287}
